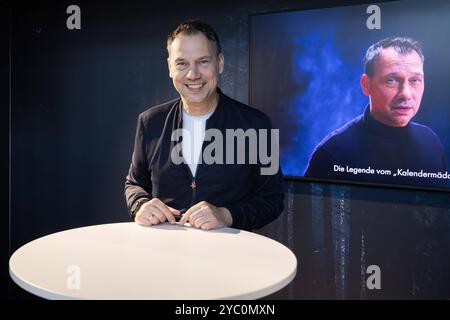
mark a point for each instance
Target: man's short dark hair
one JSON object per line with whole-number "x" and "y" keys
{"x": 193, "y": 27}
{"x": 402, "y": 45}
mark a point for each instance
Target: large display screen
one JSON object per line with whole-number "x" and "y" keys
{"x": 360, "y": 93}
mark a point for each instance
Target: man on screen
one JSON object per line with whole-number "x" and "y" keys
{"x": 383, "y": 144}
{"x": 158, "y": 188}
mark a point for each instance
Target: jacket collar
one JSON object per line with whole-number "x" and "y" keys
{"x": 213, "y": 120}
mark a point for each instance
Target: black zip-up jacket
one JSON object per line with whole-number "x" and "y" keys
{"x": 253, "y": 199}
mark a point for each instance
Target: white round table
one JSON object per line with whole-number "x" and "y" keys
{"x": 129, "y": 261}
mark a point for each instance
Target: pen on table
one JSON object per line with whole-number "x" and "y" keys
{"x": 178, "y": 217}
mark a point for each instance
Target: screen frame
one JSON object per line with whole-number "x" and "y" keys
{"x": 318, "y": 6}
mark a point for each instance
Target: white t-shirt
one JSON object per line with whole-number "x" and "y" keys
{"x": 193, "y": 141}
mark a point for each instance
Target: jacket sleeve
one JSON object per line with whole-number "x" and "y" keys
{"x": 138, "y": 181}
{"x": 266, "y": 201}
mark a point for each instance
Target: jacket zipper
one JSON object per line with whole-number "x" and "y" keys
{"x": 194, "y": 184}
{"x": 194, "y": 190}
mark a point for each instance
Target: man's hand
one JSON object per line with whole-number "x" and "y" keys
{"x": 155, "y": 212}
{"x": 205, "y": 216}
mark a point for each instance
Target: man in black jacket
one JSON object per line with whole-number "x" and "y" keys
{"x": 212, "y": 190}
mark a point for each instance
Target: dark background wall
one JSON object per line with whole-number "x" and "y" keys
{"x": 75, "y": 98}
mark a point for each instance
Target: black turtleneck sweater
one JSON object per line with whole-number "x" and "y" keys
{"x": 364, "y": 142}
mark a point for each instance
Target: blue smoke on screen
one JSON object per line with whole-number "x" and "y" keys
{"x": 331, "y": 96}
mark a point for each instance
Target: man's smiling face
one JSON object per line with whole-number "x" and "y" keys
{"x": 194, "y": 67}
